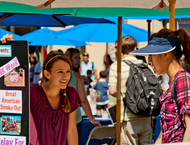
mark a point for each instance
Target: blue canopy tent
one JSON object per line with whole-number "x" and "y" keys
{"x": 102, "y": 32}
{"x": 47, "y": 20}
{"x": 46, "y": 36}
{"x": 15, "y": 14}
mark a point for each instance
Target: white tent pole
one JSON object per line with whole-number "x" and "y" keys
{"x": 118, "y": 107}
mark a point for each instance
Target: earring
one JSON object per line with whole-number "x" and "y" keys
{"x": 48, "y": 82}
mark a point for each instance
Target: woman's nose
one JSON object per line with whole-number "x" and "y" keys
{"x": 149, "y": 59}
{"x": 65, "y": 75}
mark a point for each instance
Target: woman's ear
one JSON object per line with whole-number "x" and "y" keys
{"x": 166, "y": 56}
{"x": 47, "y": 74}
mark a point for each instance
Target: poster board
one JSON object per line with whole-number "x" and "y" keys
{"x": 14, "y": 93}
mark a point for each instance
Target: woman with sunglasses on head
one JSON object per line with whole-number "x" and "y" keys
{"x": 53, "y": 104}
{"x": 165, "y": 49}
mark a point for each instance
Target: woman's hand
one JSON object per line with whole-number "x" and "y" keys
{"x": 98, "y": 98}
{"x": 96, "y": 123}
{"x": 6, "y": 37}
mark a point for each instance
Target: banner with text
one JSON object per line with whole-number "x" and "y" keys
{"x": 14, "y": 93}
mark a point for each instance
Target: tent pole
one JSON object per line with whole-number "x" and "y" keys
{"x": 149, "y": 29}
{"x": 172, "y": 14}
{"x": 106, "y": 57}
{"x": 48, "y": 2}
{"x": 118, "y": 107}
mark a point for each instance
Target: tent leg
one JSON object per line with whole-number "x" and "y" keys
{"x": 172, "y": 14}
{"x": 118, "y": 107}
{"x": 149, "y": 21}
{"x": 106, "y": 57}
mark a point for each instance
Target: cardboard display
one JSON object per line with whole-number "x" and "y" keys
{"x": 14, "y": 93}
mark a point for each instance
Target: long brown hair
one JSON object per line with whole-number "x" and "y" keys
{"x": 69, "y": 53}
{"x": 109, "y": 59}
{"x": 184, "y": 39}
{"x": 51, "y": 58}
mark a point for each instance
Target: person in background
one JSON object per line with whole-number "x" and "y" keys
{"x": 138, "y": 57}
{"x": 102, "y": 100}
{"x": 165, "y": 49}
{"x": 135, "y": 129}
{"x": 88, "y": 65}
{"x": 35, "y": 70}
{"x": 89, "y": 74}
{"x": 77, "y": 82}
{"x": 184, "y": 64}
{"x": 107, "y": 64}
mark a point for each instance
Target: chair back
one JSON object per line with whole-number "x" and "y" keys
{"x": 104, "y": 132}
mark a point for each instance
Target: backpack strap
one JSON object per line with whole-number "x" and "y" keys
{"x": 92, "y": 68}
{"x": 174, "y": 96}
{"x": 133, "y": 66}
{"x": 128, "y": 62}
{"x": 92, "y": 65}
{"x": 173, "y": 90}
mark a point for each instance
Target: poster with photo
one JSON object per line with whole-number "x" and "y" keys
{"x": 16, "y": 78}
{"x": 10, "y": 125}
{"x": 14, "y": 92}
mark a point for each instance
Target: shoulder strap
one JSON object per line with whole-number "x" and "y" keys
{"x": 128, "y": 62}
{"x": 173, "y": 90}
{"x": 134, "y": 67}
{"x": 174, "y": 96}
{"x": 92, "y": 65}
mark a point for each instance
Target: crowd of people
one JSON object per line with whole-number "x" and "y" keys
{"x": 55, "y": 116}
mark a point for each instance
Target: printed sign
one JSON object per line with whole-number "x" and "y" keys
{"x": 12, "y": 140}
{"x": 14, "y": 93}
{"x": 9, "y": 66}
{"x": 5, "y": 51}
{"x": 11, "y": 101}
